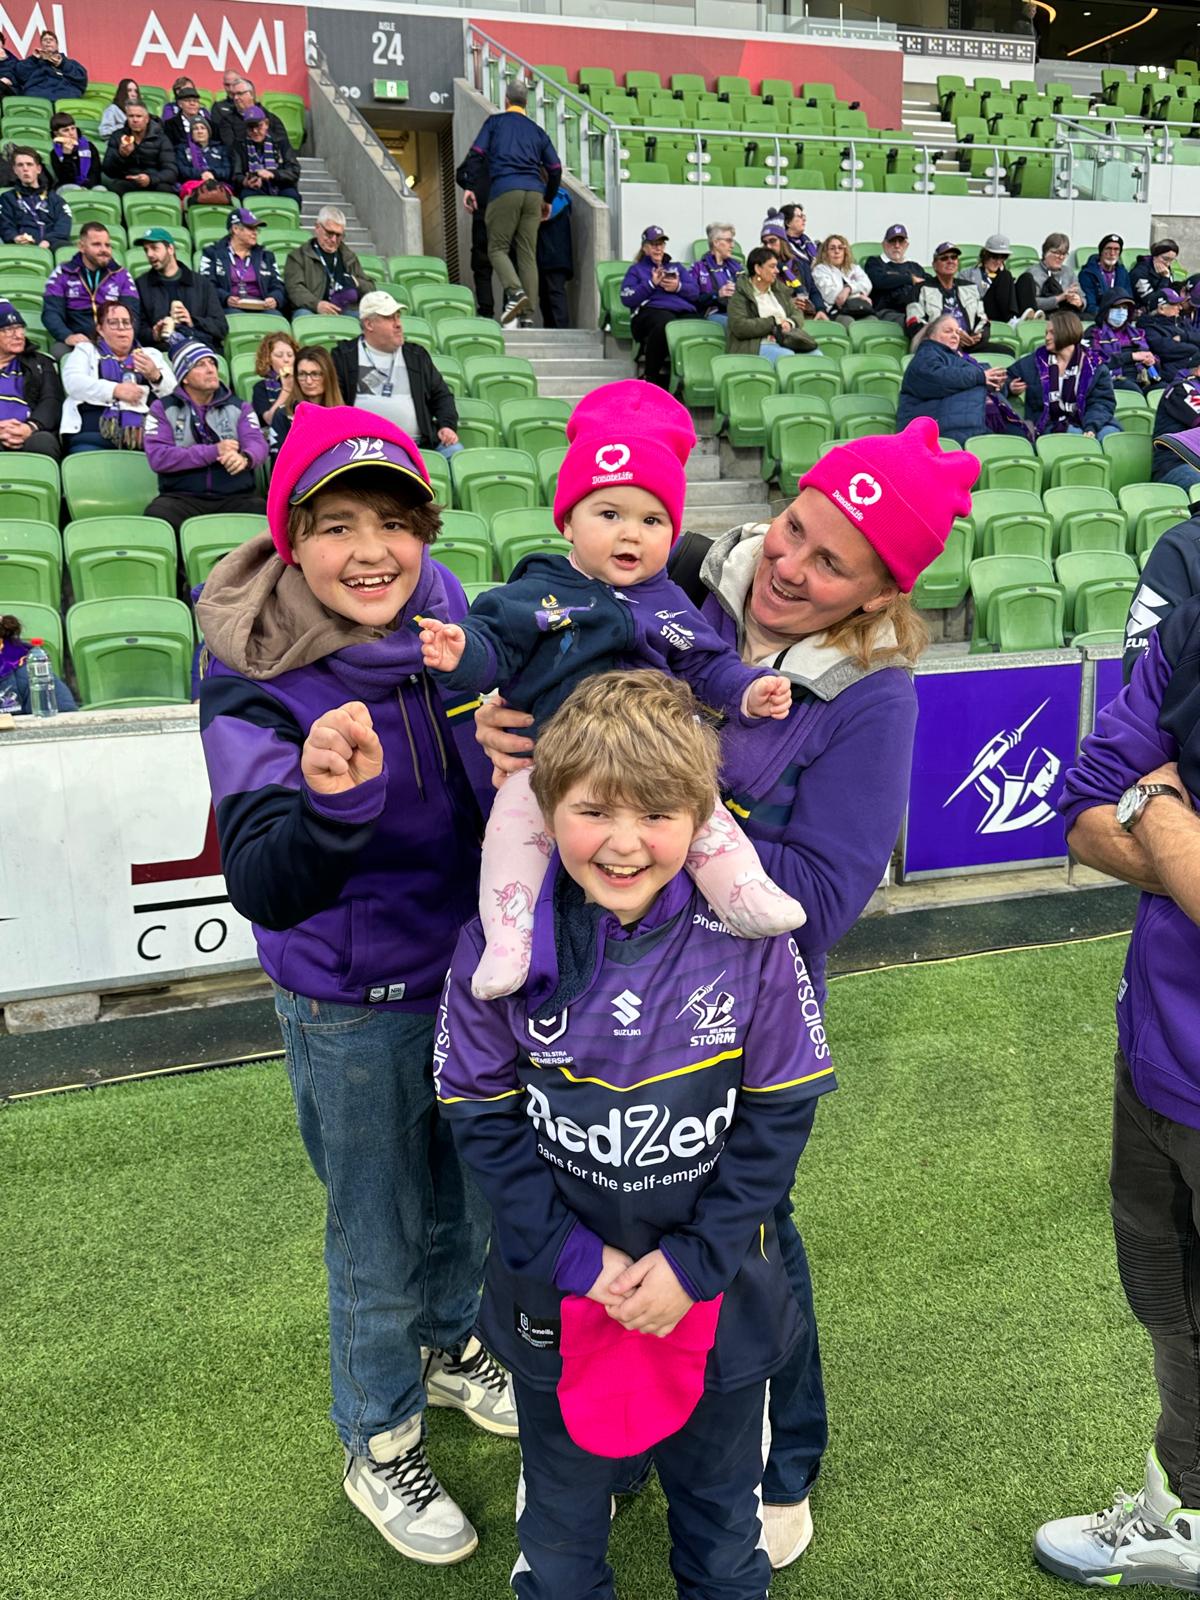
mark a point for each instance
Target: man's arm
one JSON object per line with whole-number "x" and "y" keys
{"x": 1169, "y": 836}
{"x": 252, "y": 441}
{"x": 1098, "y": 840}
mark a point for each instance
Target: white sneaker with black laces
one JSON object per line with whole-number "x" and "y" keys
{"x": 514, "y": 306}
{"x": 1144, "y": 1538}
{"x": 470, "y": 1380}
{"x": 395, "y": 1488}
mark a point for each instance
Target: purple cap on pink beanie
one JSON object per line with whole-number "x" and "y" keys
{"x": 901, "y": 491}
{"x": 626, "y": 434}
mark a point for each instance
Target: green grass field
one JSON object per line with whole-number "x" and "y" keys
{"x": 164, "y": 1388}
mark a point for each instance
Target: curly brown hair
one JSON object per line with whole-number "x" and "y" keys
{"x": 262, "y": 356}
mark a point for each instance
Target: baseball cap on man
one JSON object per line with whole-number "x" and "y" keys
{"x": 254, "y": 114}
{"x": 946, "y": 248}
{"x": 154, "y": 236}
{"x": 10, "y": 317}
{"x": 244, "y": 216}
{"x": 379, "y": 303}
{"x": 896, "y": 231}
{"x": 653, "y": 235}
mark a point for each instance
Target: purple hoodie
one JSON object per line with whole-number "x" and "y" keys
{"x": 1155, "y": 718}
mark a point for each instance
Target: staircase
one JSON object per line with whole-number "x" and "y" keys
{"x": 570, "y": 362}
{"x": 920, "y": 116}
{"x": 318, "y": 187}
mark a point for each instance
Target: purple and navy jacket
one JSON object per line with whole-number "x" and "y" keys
{"x": 356, "y": 898}
{"x": 74, "y": 294}
{"x": 650, "y": 1087}
{"x": 638, "y": 293}
{"x": 1155, "y": 718}
{"x": 711, "y": 276}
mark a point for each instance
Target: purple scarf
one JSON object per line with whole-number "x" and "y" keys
{"x": 998, "y": 415}
{"x": 13, "y": 405}
{"x": 261, "y": 157}
{"x": 124, "y": 430}
{"x": 1066, "y": 406}
{"x": 84, "y": 152}
{"x": 1110, "y": 343}
{"x": 198, "y": 155}
{"x": 802, "y": 245}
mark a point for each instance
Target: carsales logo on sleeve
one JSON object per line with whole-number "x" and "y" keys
{"x": 810, "y": 1006}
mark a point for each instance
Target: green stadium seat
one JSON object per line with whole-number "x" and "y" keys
{"x": 795, "y": 426}
{"x": 30, "y": 488}
{"x": 499, "y": 378}
{"x": 943, "y": 584}
{"x": 519, "y": 533}
{"x": 947, "y": 84}
{"x": 642, "y": 80}
{"x": 440, "y": 479}
{"x": 417, "y": 269}
{"x": 38, "y": 622}
{"x": 534, "y": 425}
{"x": 948, "y": 183}
{"x": 1128, "y": 458}
{"x": 872, "y": 334}
{"x": 451, "y": 370}
{"x": 275, "y": 210}
{"x": 416, "y": 331}
{"x": 289, "y": 108}
{"x": 470, "y": 336}
{"x": 1098, "y": 586}
{"x": 108, "y": 483}
{"x": 742, "y": 384}
{"x": 326, "y": 331}
{"x": 478, "y": 426}
{"x": 590, "y": 79}
{"x": 1070, "y": 460}
{"x": 1133, "y": 413}
{"x": 487, "y": 481}
{"x": 129, "y": 652}
{"x": 548, "y": 465}
{"x": 86, "y": 113}
{"x": 777, "y": 89}
{"x": 207, "y": 225}
{"x": 1102, "y": 636}
{"x": 27, "y": 299}
{"x": 694, "y": 344}
{"x": 614, "y": 316}
{"x": 856, "y": 416}
{"x": 733, "y": 87}
{"x": 810, "y": 180}
{"x": 1012, "y": 522}
{"x": 437, "y": 302}
{"x": 872, "y": 372}
{"x": 31, "y": 560}
{"x": 119, "y": 557}
{"x": 1008, "y": 462}
{"x": 988, "y": 575}
{"x": 832, "y": 338}
{"x": 1027, "y": 617}
{"x": 818, "y": 91}
{"x": 465, "y": 546}
{"x": 247, "y": 329}
{"x": 1086, "y": 518}
{"x": 204, "y": 540}
{"x": 24, "y": 266}
{"x": 152, "y": 211}
{"x": 816, "y": 373}
{"x": 1150, "y": 509}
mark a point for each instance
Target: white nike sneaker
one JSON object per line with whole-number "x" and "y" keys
{"x": 396, "y": 1489}
{"x": 788, "y": 1531}
{"x": 470, "y": 1380}
{"x": 1144, "y": 1538}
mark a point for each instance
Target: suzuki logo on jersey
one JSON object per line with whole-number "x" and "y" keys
{"x": 713, "y": 1016}
{"x": 627, "y": 1008}
{"x": 643, "y": 1135}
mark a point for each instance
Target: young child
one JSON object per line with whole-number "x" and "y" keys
{"x": 348, "y": 798}
{"x": 619, "y": 501}
{"x": 634, "y": 1115}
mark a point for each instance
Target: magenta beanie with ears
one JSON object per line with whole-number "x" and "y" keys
{"x": 627, "y": 434}
{"x": 902, "y": 492}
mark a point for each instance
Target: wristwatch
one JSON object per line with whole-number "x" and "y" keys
{"x": 1134, "y": 801}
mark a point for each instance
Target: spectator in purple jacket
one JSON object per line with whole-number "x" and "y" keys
{"x": 1129, "y": 805}
{"x": 77, "y": 289}
{"x": 815, "y": 598}
{"x": 203, "y": 443}
{"x": 657, "y": 290}
{"x": 716, "y": 272}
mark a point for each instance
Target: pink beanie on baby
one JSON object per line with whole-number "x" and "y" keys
{"x": 627, "y": 434}
{"x": 622, "y": 1391}
{"x": 901, "y": 491}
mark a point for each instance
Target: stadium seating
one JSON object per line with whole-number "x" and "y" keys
{"x": 204, "y": 540}
{"x": 478, "y": 425}
{"x": 31, "y": 560}
{"x": 103, "y": 483}
{"x": 795, "y": 427}
{"x": 944, "y": 582}
{"x": 1152, "y": 508}
{"x": 1086, "y": 519}
{"x": 30, "y": 488}
{"x": 130, "y": 652}
{"x": 120, "y": 557}
{"x": 465, "y": 546}
{"x": 488, "y": 481}
{"x": 991, "y": 574}
{"x": 1012, "y": 522}
{"x": 1096, "y": 586}
{"x": 518, "y": 532}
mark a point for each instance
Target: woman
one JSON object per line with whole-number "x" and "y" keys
{"x": 14, "y": 675}
{"x": 113, "y": 116}
{"x": 204, "y": 164}
{"x": 657, "y": 290}
{"x": 795, "y": 271}
{"x": 109, "y": 386}
{"x": 316, "y": 377}
{"x": 1066, "y": 386}
{"x": 1152, "y": 273}
{"x": 994, "y": 281}
{"x": 74, "y": 160}
{"x": 844, "y": 287}
{"x": 1120, "y": 345}
{"x": 795, "y": 222}
{"x": 717, "y": 272}
{"x": 1052, "y": 284}
{"x": 948, "y": 294}
{"x": 1173, "y": 343}
{"x": 182, "y": 89}
{"x": 943, "y": 382}
{"x": 762, "y": 321}
{"x": 1178, "y": 412}
{"x": 274, "y": 396}
{"x": 824, "y": 600}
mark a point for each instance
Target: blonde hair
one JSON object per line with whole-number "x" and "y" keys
{"x": 635, "y": 737}
{"x": 823, "y": 252}
{"x": 859, "y": 634}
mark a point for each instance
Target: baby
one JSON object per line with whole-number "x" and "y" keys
{"x": 559, "y": 620}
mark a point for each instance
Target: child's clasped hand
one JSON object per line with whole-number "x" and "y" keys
{"x": 342, "y": 750}
{"x": 768, "y": 697}
{"x": 645, "y": 1296}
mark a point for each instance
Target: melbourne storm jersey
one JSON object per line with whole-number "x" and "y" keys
{"x": 651, "y": 1087}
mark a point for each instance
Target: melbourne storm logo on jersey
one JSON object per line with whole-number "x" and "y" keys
{"x": 712, "y": 1014}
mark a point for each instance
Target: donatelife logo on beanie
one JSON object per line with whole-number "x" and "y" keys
{"x": 612, "y": 460}
{"x": 862, "y": 490}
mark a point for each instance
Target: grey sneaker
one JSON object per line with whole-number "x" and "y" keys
{"x": 470, "y": 1380}
{"x": 514, "y": 306}
{"x": 395, "y": 1488}
{"x": 1144, "y": 1538}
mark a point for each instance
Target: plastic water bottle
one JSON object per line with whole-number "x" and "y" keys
{"x": 43, "y": 699}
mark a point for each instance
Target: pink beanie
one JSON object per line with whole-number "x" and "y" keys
{"x": 621, "y": 1391}
{"x": 627, "y": 433}
{"x": 901, "y": 491}
{"x": 325, "y": 441}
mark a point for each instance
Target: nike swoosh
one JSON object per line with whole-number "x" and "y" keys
{"x": 461, "y": 1391}
{"x": 381, "y": 1498}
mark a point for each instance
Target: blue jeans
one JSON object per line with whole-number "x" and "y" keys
{"x": 773, "y": 351}
{"x": 1181, "y": 475}
{"x": 18, "y": 683}
{"x": 406, "y": 1229}
{"x": 1101, "y": 433}
{"x": 799, "y": 1428}
{"x": 449, "y": 450}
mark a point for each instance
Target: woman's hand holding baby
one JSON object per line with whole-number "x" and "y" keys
{"x": 341, "y": 751}
{"x": 442, "y": 644}
{"x": 768, "y": 697}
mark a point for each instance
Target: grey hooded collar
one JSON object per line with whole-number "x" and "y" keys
{"x": 812, "y": 664}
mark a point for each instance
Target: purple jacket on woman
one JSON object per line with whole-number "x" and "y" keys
{"x": 637, "y": 292}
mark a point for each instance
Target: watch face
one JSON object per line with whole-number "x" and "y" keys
{"x": 1129, "y": 805}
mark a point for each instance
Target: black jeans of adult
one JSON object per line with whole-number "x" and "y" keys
{"x": 1155, "y": 1184}
{"x": 649, "y": 327}
{"x": 127, "y": 186}
{"x": 481, "y": 267}
{"x": 552, "y": 299}
{"x": 177, "y": 508}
